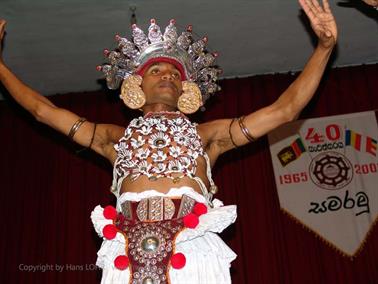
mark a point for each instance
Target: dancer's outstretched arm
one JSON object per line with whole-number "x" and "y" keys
{"x": 291, "y": 102}
{"x": 60, "y": 119}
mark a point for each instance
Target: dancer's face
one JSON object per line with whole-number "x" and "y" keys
{"x": 162, "y": 84}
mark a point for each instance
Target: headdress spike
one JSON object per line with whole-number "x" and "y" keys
{"x": 139, "y": 38}
{"x": 197, "y": 48}
{"x": 170, "y": 33}
{"x": 154, "y": 32}
{"x": 185, "y": 39}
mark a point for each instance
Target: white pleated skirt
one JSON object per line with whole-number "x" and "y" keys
{"x": 208, "y": 258}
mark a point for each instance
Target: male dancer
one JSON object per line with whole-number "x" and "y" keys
{"x": 164, "y": 224}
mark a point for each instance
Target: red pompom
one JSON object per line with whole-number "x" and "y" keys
{"x": 178, "y": 260}
{"x": 190, "y": 220}
{"x": 110, "y": 212}
{"x": 199, "y": 209}
{"x": 109, "y": 231}
{"x": 99, "y": 68}
{"x": 121, "y": 262}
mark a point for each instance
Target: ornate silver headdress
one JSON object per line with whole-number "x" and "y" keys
{"x": 189, "y": 56}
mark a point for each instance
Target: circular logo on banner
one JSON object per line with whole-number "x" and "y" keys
{"x": 331, "y": 170}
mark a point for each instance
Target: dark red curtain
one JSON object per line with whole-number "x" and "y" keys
{"x": 48, "y": 191}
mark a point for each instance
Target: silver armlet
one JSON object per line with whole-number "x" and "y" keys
{"x": 75, "y": 127}
{"x": 245, "y": 130}
{"x": 229, "y": 132}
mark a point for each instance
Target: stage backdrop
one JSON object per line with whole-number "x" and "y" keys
{"x": 48, "y": 191}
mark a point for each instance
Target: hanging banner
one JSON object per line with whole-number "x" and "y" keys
{"x": 326, "y": 172}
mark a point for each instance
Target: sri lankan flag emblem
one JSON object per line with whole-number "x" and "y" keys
{"x": 292, "y": 152}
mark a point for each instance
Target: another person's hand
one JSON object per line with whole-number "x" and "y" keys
{"x": 322, "y": 21}
{"x": 2, "y": 32}
{"x": 373, "y": 3}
